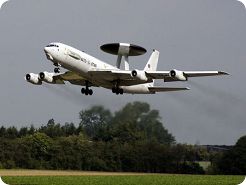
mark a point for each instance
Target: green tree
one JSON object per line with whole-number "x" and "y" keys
{"x": 234, "y": 160}
{"x": 23, "y": 131}
{"x": 136, "y": 121}
{"x": 52, "y": 129}
{"x": 2, "y": 131}
{"x": 68, "y": 129}
{"x": 11, "y": 133}
{"x": 154, "y": 129}
{"x": 40, "y": 145}
{"x": 95, "y": 121}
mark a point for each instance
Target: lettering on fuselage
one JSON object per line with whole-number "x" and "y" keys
{"x": 74, "y": 55}
{"x": 78, "y": 57}
{"x": 88, "y": 62}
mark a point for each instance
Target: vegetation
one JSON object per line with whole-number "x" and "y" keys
{"x": 127, "y": 180}
{"x": 232, "y": 161}
{"x": 132, "y": 139}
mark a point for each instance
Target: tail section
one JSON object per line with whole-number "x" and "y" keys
{"x": 153, "y": 61}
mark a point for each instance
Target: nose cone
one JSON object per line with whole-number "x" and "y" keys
{"x": 48, "y": 53}
{"x": 46, "y": 49}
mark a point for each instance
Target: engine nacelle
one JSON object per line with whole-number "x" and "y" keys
{"x": 140, "y": 75}
{"x": 33, "y": 78}
{"x": 178, "y": 75}
{"x": 47, "y": 77}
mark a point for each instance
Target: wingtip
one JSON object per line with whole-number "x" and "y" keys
{"x": 187, "y": 88}
{"x": 223, "y": 73}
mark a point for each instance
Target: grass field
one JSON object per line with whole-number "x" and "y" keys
{"x": 97, "y": 178}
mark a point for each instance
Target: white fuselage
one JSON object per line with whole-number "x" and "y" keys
{"x": 80, "y": 62}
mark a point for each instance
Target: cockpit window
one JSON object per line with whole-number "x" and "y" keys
{"x": 52, "y": 45}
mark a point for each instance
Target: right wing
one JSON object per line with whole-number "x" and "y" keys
{"x": 176, "y": 75}
{"x": 168, "y": 76}
{"x": 111, "y": 75}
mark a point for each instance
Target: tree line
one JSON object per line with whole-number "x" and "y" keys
{"x": 132, "y": 139}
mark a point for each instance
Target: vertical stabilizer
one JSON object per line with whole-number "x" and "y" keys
{"x": 153, "y": 61}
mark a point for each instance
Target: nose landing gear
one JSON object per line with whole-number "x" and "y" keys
{"x": 57, "y": 69}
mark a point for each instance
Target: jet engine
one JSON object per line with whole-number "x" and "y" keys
{"x": 180, "y": 75}
{"x": 47, "y": 77}
{"x": 33, "y": 78}
{"x": 140, "y": 75}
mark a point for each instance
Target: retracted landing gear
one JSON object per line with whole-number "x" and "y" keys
{"x": 86, "y": 91}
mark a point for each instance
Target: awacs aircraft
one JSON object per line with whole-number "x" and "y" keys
{"x": 87, "y": 71}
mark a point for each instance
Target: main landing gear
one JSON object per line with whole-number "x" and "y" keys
{"x": 117, "y": 90}
{"x": 86, "y": 91}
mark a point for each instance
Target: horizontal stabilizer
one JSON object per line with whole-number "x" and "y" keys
{"x": 166, "y": 89}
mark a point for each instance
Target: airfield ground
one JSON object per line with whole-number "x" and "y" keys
{"x": 36, "y": 177}
{"x": 61, "y": 173}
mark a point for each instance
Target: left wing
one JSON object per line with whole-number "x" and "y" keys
{"x": 71, "y": 77}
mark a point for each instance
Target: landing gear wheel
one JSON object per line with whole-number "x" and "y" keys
{"x": 117, "y": 91}
{"x": 86, "y": 91}
{"x": 121, "y": 91}
{"x": 57, "y": 70}
{"x": 90, "y": 91}
{"x": 83, "y": 90}
{"x": 116, "y": 88}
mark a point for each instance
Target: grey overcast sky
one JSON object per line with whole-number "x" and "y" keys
{"x": 190, "y": 35}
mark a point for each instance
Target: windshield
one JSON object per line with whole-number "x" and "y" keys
{"x": 52, "y": 45}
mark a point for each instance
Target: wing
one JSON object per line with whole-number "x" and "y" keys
{"x": 126, "y": 76}
{"x": 204, "y": 73}
{"x": 181, "y": 75}
{"x": 166, "y": 89}
{"x": 72, "y": 77}
{"x": 111, "y": 75}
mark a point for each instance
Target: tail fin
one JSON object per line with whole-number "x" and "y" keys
{"x": 153, "y": 61}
